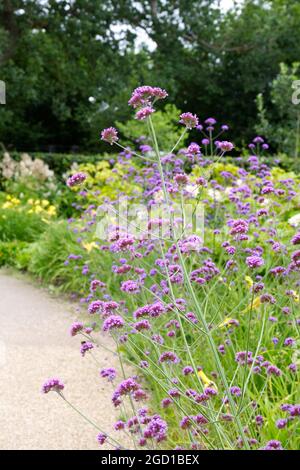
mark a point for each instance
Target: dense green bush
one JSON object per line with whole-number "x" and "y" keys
{"x": 282, "y": 125}
{"x": 20, "y": 225}
{"x": 14, "y": 254}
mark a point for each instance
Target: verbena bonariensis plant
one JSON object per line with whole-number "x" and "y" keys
{"x": 208, "y": 320}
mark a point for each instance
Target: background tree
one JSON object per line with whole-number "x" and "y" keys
{"x": 70, "y": 65}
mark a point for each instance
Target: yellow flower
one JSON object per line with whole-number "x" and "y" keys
{"x": 45, "y": 203}
{"x": 38, "y": 209}
{"x": 89, "y": 246}
{"x": 253, "y": 305}
{"x": 51, "y": 211}
{"x": 206, "y": 381}
{"x": 249, "y": 281}
{"x": 295, "y": 296}
{"x": 227, "y": 322}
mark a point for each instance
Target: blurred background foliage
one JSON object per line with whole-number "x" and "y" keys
{"x": 70, "y": 65}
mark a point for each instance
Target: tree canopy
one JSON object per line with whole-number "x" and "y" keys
{"x": 70, "y": 65}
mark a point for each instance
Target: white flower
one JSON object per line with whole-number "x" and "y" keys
{"x": 191, "y": 190}
{"x": 158, "y": 196}
{"x": 295, "y": 220}
{"x": 215, "y": 194}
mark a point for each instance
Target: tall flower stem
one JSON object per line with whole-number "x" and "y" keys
{"x": 115, "y": 443}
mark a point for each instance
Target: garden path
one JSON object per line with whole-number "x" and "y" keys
{"x": 35, "y": 345}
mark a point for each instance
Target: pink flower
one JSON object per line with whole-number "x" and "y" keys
{"x": 189, "y": 120}
{"x": 225, "y": 146}
{"x": 110, "y": 135}
{"x": 143, "y": 113}
{"x": 76, "y": 179}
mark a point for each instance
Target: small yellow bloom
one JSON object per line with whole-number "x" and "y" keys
{"x": 227, "y": 322}
{"x": 206, "y": 381}
{"x": 249, "y": 281}
{"x": 38, "y": 209}
{"x": 51, "y": 210}
{"x": 253, "y": 305}
{"x": 295, "y": 296}
{"x": 89, "y": 246}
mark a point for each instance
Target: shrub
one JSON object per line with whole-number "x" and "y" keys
{"x": 20, "y": 225}
{"x": 14, "y": 254}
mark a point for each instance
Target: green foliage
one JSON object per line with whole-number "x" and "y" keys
{"x": 281, "y": 123}
{"x": 50, "y": 252}
{"x": 20, "y": 225}
{"x": 49, "y": 260}
{"x": 14, "y": 254}
{"x": 166, "y": 127}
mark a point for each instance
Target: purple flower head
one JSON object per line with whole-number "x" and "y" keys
{"x": 53, "y": 385}
{"x": 239, "y": 226}
{"x": 294, "y": 410}
{"x": 110, "y": 135}
{"x": 267, "y": 298}
{"x": 296, "y": 239}
{"x": 144, "y": 112}
{"x": 236, "y": 391}
{"x": 289, "y": 342}
{"x": 95, "y": 306}
{"x": 254, "y": 261}
{"x": 281, "y": 423}
{"x": 95, "y": 284}
{"x": 242, "y": 356}
{"x": 273, "y": 370}
{"x": 109, "y": 373}
{"x": 144, "y": 95}
{"x": 76, "y": 179}
{"x": 225, "y": 146}
{"x": 296, "y": 258}
{"x": 273, "y": 445}
{"x": 101, "y": 438}
{"x": 131, "y": 287}
{"x": 181, "y": 179}
{"x": 113, "y": 322}
{"x": 85, "y": 347}
{"x": 76, "y": 328}
{"x": 193, "y": 148}
{"x": 142, "y": 325}
{"x": 210, "y": 121}
{"x": 187, "y": 370}
{"x": 259, "y": 420}
{"x": 170, "y": 357}
{"x": 258, "y": 140}
{"x": 201, "y": 181}
{"x": 189, "y": 120}
{"x": 156, "y": 429}
{"x": 186, "y": 422}
{"x": 119, "y": 425}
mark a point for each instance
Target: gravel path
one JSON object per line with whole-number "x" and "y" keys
{"x": 35, "y": 345}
